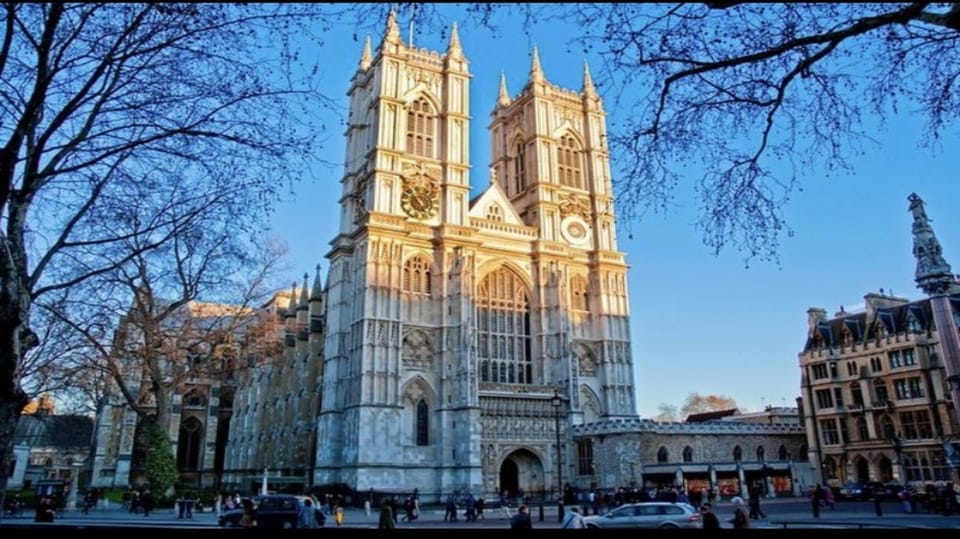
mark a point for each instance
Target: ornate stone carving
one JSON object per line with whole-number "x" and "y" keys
{"x": 417, "y": 352}
{"x": 571, "y": 204}
{"x": 933, "y": 274}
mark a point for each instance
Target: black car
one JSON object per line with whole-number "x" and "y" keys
{"x": 273, "y": 511}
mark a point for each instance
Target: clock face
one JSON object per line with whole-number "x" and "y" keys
{"x": 419, "y": 202}
{"x": 575, "y": 230}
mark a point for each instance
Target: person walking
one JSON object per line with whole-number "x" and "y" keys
{"x": 573, "y": 519}
{"x": 386, "y": 517}
{"x": 249, "y": 518}
{"x": 828, "y": 497}
{"x": 740, "y": 519}
{"x": 708, "y": 517}
{"x": 815, "y": 498}
{"x": 755, "y": 511}
{"x": 521, "y": 520}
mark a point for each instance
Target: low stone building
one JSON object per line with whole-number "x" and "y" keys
{"x": 728, "y": 455}
{"x": 49, "y": 446}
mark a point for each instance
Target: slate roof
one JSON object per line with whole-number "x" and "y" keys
{"x": 896, "y": 319}
{"x": 54, "y": 431}
{"x": 711, "y": 416}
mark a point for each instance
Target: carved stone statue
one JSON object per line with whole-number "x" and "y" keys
{"x": 916, "y": 208}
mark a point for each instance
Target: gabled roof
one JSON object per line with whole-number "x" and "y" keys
{"x": 711, "y": 416}
{"x": 54, "y": 431}
{"x": 494, "y": 195}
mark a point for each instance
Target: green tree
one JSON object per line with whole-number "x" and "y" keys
{"x": 161, "y": 465}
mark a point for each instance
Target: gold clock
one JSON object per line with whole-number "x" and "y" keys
{"x": 419, "y": 202}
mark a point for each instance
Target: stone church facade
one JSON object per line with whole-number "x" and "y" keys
{"x": 451, "y": 321}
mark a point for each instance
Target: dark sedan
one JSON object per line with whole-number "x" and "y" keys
{"x": 273, "y": 511}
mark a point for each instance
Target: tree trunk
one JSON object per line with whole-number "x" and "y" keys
{"x": 10, "y": 407}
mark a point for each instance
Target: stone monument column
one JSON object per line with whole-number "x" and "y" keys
{"x": 935, "y": 278}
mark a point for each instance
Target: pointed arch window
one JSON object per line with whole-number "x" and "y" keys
{"x": 579, "y": 300}
{"x": 569, "y": 162}
{"x": 188, "y": 444}
{"x": 688, "y": 454}
{"x": 737, "y": 454}
{"x": 782, "y": 453}
{"x": 663, "y": 456}
{"x": 761, "y": 454}
{"x": 503, "y": 329}
{"x": 416, "y": 276}
{"x": 520, "y": 168}
{"x": 421, "y": 128}
{"x": 423, "y": 423}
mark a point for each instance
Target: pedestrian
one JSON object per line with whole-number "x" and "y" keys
{"x": 740, "y": 519}
{"x": 708, "y": 517}
{"x": 755, "y": 511}
{"x": 338, "y": 515}
{"x": 521, "y": 520}
{"x": 45, "y": 510}
{"x": 451, "y": 509}
{"x": 308, "y": 517}
{"x": 573, "y": 519}
{"x": 815, "y": 498}
{"x": 828, "y": 497}
{"x": 904, "y": 496}
{"x": 249, "y": 518}
{"x": 386, "y": 517}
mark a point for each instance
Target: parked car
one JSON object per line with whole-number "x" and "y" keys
{"x": 853, "y": 491}
{"x": 647, "y": 515}
{"x": 865, "y": 491}
{"x": 273, "y": 511}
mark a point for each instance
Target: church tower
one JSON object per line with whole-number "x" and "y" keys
{"x": 453, "y": 323}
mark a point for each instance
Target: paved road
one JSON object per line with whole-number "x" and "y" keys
{"x": 789, "y": 512}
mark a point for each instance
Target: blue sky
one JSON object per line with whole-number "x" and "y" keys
{"x": 700, "y": 323}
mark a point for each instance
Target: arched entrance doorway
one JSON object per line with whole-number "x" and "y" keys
{"x": 862, "y": 468}
{"x": 521, "y": 474}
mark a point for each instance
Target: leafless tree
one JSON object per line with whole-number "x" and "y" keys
{"x": 759, "y": 95}
{"x": 122, "y": 126}
{"x": 698, "y": 404}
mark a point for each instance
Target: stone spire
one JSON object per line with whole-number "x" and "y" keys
{"x": 588, "y": 89}
{"x": 392, "y": 34}
{"x": 366, "y": 59}
{"x": 303, "y": 294}
{"x": 504, "y": 98}
{"x": 454, "y": 50}
{"x": 317, "y": 292}
{"x": 536, "y": 72}
{"x": 933, "y": 274}
{"x": 292, "y": 306}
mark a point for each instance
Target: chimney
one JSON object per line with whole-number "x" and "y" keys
{"x": 874, "y": 301}
{"x": 815, "y": 315}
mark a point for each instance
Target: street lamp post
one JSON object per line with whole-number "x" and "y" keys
{"x": 557, "y": 402}
{"x": 74, "y": 486}
{"x": 897, "y": 450}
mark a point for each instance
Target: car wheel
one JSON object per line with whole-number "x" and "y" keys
{"x": 669, "y": 526}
